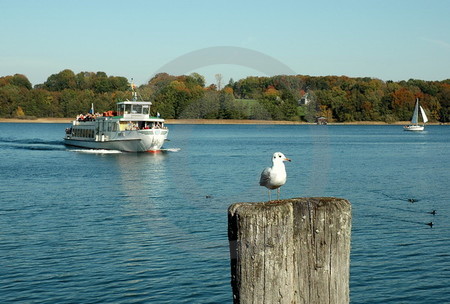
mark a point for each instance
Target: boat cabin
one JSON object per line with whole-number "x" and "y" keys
{"x": 134, "y": 109}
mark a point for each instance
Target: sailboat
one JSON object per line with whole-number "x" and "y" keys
{"x": 414, "y": 126}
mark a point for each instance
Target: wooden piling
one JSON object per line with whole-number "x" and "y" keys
{"x": 290, "y": 251}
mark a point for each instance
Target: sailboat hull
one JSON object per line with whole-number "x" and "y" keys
{"x": 413, "y": 128}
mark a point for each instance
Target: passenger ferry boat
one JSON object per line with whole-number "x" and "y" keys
{"x": 130, "y": 129}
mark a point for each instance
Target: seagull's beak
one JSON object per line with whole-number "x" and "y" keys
{"x": 287, "y": 159}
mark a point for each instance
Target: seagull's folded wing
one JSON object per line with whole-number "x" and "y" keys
{"x": 265, "y": 177}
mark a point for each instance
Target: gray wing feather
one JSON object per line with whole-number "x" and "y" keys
{"x": 265, "y": 177}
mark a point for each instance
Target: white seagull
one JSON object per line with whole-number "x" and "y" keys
{"x": 274, "y": 177}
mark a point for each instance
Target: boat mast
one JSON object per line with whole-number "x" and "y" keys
{"x": 134, "y": 93}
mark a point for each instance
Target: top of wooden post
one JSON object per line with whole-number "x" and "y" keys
{"x": 290, "y": 251}
{"x": 318, "y": 200}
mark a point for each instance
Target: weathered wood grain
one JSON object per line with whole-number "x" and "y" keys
{"x": 290, "y": 251}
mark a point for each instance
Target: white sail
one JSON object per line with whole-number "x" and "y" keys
{"x": 424, "y": 116}
{"x": 414, "y": 126}
{"x": 415, "y": 118}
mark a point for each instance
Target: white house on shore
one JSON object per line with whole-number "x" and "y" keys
{"x": 304, "y": 100}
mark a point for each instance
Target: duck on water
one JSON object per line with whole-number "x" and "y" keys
{"x": 130, "y": 128}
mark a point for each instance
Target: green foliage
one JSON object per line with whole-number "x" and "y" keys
{"x": 339, "y": 98}
{"x": 11, "y": 97}
{"x": 206, "y": 107}
{"x": 17, "y": 80}
{"x": 444, "y": 100}
{"x": 310, "y": 111}
{"x": 58, "y": 82}
{"x": 346, "y": 99}
{"x": 197, "y": 79}
{"x": 21, "y": 81}
{"x": 98, "y": 82}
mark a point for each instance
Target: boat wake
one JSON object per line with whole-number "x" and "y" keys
{"x": 105, "y": 151}
{"x": 171, "y": 150}
{"x": 31, "y": 144}
{"x": 96, "y": 151}
{"x": 31, "y": 141}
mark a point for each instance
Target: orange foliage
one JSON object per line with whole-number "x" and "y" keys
{"x": 228, "y": 90}
{"x": 179, "y": 86}
{"x": 5, "y": 80}
{"x": 367, "y": 107}
{"x": 402, "y": 97}
{"x": 271, "y": 92}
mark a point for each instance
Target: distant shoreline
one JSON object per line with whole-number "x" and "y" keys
{"x": 215, "y": 122}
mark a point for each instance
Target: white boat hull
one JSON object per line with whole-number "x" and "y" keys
{"x": 413, "y": 128}
{"x": 135, "y": 141}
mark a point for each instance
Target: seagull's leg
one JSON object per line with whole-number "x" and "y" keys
{"x": 278, "y": 194}
{"x": 269, "y": 194}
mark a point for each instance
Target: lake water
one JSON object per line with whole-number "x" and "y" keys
{"x": 83, "y": 227}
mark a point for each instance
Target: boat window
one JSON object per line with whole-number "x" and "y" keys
{"x": 137, "y": 109}
{"x": 127, "y": 109}
{"x": 120, "y": 109}
{"x": 145, "y": 110}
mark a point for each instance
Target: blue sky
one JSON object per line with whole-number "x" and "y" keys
{"x": 386, "y": 39}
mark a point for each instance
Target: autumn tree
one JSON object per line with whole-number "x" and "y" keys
{"x": 444, "y": 99}
{"x": 403, "y": 101}
{"x": 60, "y": 81}
{"x": 21, "y": 81}
{"x": 197, "y": 79}
{"x": 340, "y": 98}
{"x": 271, "y": 93}
{"x": 336, "y": 99}
{"x": 173, "y": 96}
{"x": 11, "y": 97}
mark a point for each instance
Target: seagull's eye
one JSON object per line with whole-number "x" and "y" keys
{"x": 279, "y": 156}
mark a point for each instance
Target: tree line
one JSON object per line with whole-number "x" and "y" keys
{"x": 282, "y": 97}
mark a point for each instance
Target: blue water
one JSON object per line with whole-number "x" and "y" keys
{"x": 81, "y": 227}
